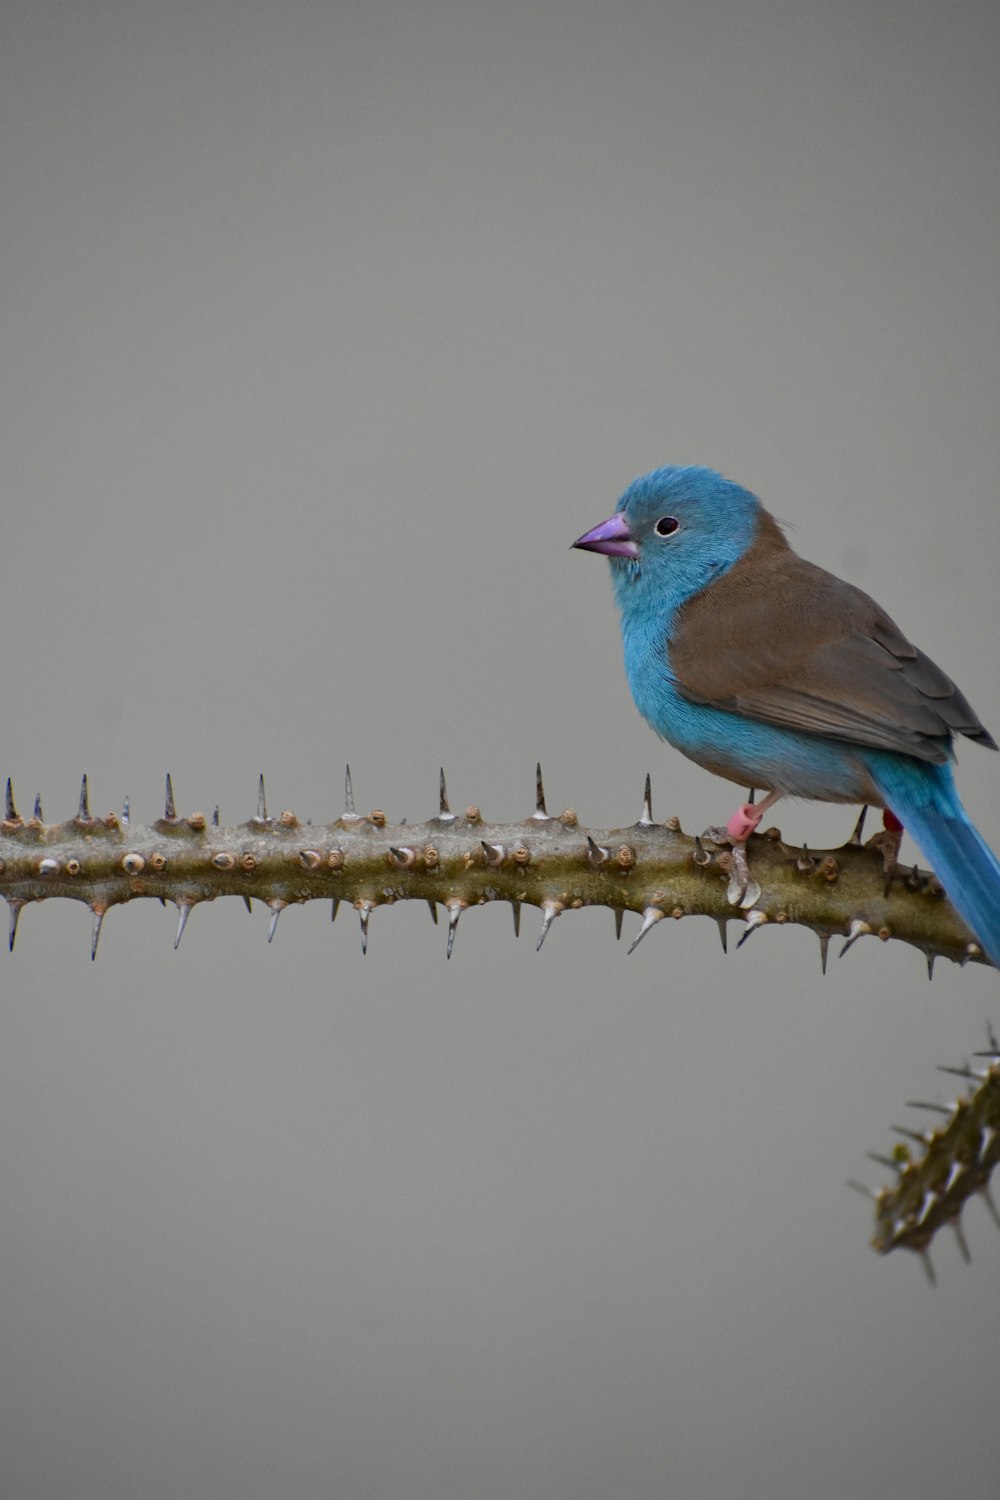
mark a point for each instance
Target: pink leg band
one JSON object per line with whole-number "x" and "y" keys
{"x": 743, "y": 822}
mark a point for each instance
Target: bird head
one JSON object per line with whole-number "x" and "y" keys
{"x": 673, "y": 532}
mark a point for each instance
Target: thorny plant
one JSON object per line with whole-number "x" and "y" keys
{"x": 458, "y": 860}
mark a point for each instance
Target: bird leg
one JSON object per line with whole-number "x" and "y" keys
{"x": 887, "y": 843}
{"x": 743, "y": 890}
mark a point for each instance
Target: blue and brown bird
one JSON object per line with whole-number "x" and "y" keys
{"x": 767, "y": 670}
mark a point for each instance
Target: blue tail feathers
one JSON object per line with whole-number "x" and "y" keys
{"x": 924, "y": 798}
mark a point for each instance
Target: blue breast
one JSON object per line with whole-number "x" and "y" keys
{"x": 749, "y": 752}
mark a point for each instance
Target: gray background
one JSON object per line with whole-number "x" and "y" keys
{"x": 326, "y": 328}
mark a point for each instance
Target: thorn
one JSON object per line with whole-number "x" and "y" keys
{"x": 855, "y": 837}
{"x": 348, "y": 791}
{"x": 702, "y": 856}
{"x": 911, "y": 1135}
{"x": 334, "y": 908}
{"x": 930, "y": 964}
{"x": 364, "y": 912}
{"x": 515, "y": 907}
{"x": 277, "y": 907}
{"x": 963, "y": 1243}
{"x": 619, "y": 918}
{"x": 861, "y": 1187}
{"x": 248, "y": 904}
{"x": 38, "y": 807}
{"x": 215, "y": 816}
{"x": 125, "y": 810}
{"x": 723, "y": 937}
{"x": 651, "y": 915}
{"x": 646, "y": 817}
{"x": 884, "y": 1161}
{"x": 15, "y": 913}
{"x": 539, "y": 812}
{"x": 824, "y": 948}
{"x": 84, "y": 810}
{"x": 455, "y": 909}
{"x": 432, "y": 907}
{"x": 492, "y": 853}
{"x": 994, "y": 1045}
{"x": 445, "y": 815}
{"x": 98, "y": 919}
{"x": 550, "y": 910}
{"x": 261, "y": 801}
{"x": 928, "y": 1267}
{"x": 987, "y": 1197}
{"x": 955, "y": 1171}
{"x": 596, "y": 854}
{"x": 183, "y": 912}
{"x": 10, "y": 811}
{"x": 169, "y": 810}
{"x": 755, "y": 919}
{"x": 928, "y": 1203}
{"x": 963, "y": 1072}
{"x": 938, "y": 1109}
{"x": 858, "y": 928}
{"x": 401, "y": 856}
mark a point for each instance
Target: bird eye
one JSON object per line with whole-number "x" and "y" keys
{"x": 666, "y": 526}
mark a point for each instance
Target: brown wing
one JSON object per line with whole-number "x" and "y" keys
{"x": 782, "y": 641}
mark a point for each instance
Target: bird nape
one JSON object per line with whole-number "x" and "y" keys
{"x": 766, "y": 669}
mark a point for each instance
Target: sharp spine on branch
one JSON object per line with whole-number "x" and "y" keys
{"x": 445, "y": 815}
{"x": 183, "y": 912}
{"x": 650, "y": 917}
{"x": 98, "y": 919}
{"x": 455, "y": 909}
{"x": 858, "y": 928}
{"x": 539, "y": 814}
{"x": 550, "y": 910}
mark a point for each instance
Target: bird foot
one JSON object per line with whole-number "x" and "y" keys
{"x": 887, "y": 843}
{"x": 742, "y": 890}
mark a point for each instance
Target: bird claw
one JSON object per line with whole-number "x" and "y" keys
{"x": 742, "y": 890}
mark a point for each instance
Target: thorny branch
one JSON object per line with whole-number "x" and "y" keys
{"x": 458, "y": 860}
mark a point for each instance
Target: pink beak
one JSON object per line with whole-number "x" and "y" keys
{"x": 612, "y": 537}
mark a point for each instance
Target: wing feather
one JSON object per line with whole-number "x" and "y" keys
{"x": 782, "y": 641}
